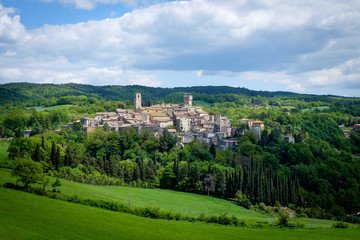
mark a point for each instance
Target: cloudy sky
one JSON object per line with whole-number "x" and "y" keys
{"x": 303, "y": 46}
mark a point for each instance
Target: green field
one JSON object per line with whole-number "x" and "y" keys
{"x": 288, "y": 107}
{"x": 56, "y": 107}
{"x": 3, "y": 149}
{"x": 185, "y": 203}
{"x": 312, "y": 109}
{"x": 27, "y": 216}
{"x": 201, "y": 103}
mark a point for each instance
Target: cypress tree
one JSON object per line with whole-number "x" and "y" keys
{"x": 286, "y": 187}
{"x": 120, "y": 173}
{"x": 68, "y": 157}
{"x": 57, "y": 158}
{"x": 37, "y": 154}
{"x": 43, "y": 141}
{"x": 213, "y": 150}
{"x": 53, "y": 153}
{"x": 142, "y": 169}
{"x": 136, "y": 175}
{"x": 149, "y": 171}
{"x": 240, "y": 178}
{"x": 176, "y": 172}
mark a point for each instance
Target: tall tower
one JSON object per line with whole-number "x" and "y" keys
{"x": 137, "y": 101}
{"x": 217, "y": 117}
{"x": 188, "y": 100}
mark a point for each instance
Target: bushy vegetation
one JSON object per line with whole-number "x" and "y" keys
{"x": 341, "y": 225}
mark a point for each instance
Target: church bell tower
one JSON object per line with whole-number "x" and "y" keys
{"x": 137, "y": 101}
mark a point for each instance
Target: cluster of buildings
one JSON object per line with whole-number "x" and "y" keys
{"x": 182, "y": 120}
{"x": 185, "y": 121}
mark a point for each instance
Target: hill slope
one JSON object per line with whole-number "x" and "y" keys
{"x": 179, "y": 202}
{"x": 186, "y": 203}
{"x": 27, "y": 216}
{"x": 39, "y": 94}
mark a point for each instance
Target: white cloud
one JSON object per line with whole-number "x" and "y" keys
{"x": 92, "y": 75}
{"x": 299, "y": 46}
{"x": 337, "y": 79}
{"x": 11, "y": 30}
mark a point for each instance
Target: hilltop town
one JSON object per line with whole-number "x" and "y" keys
{"x": 185, "y": 121}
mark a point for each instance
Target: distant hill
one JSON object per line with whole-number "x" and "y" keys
{"x": 30, "y": 94}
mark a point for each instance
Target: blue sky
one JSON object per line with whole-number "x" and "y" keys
{"x": 302, "y": 46}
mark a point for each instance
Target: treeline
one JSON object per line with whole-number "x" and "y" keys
{"x": 28, "y": 94}
{"x": 15, "y": 120}
{"x": 133, "y": 157}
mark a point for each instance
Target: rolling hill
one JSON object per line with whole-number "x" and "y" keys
{"x": 30, "y": 94}
{"x": 27, "y": 216}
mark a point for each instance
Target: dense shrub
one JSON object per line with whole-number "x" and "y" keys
{"x": 6, "y": 163}
{"x": 94, "y": 177}
{"x": 261, "y": 207}
{"x": 340, "y": 225}
{"x": 242, "y": 200}
{"x": 283, "y": 220}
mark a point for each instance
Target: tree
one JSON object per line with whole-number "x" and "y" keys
{"x": 167, "y": 178}
{"x": 136, "y": 172}
{"x": 212, "y": 150}
{"x": 106, "y": 127}
{"x": 27, "y": 170}
{"x": 53, "y": 153}
{"x": 167, "y": 141}
{"x": 43, "y": 141}
{"x": 37, "y": 156}
{"x": 68, "y": 157}
{"x": 56, "y": 160}
{"x": 209, "y": 183}
{"x": 150, "y": 171}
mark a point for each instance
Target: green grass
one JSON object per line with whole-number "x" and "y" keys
{"x": 4, "y": 145}
{"x": 56, "y": 107}
{"x": 312, "y": 109}
{"x": 185, "y": 203}
{"x": 201, "y": 103}
{"x": 28, "y": 216}
{"x": 288, "y": 107}
{"x": 5, "y": 176}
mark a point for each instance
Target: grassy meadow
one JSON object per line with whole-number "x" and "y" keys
{"x": 28, "y": 216}
{"x": 313, "y": 109}
{"x": 56, "y": 107}
{"x": 185, "y": 203}
{"x": 3, "y": 149}
{"x": 180, "y": 202}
